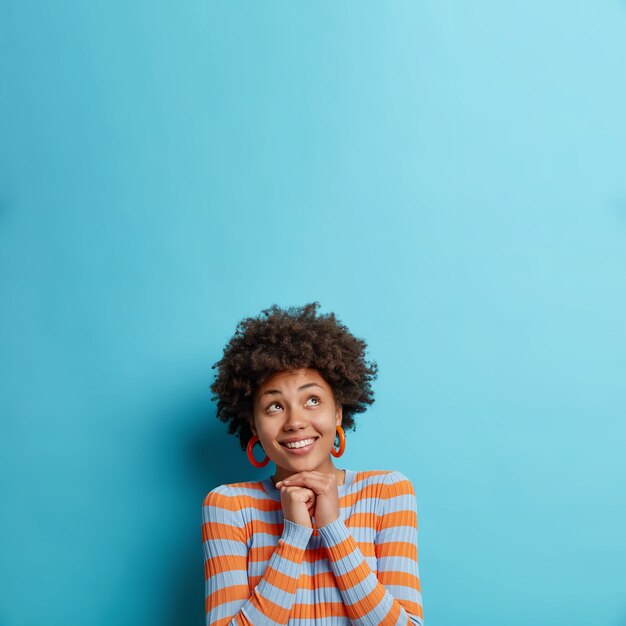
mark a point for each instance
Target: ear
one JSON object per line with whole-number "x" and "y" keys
{"x": 339, "y": 415}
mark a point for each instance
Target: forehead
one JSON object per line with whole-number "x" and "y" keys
{"x": 291, "y": 380}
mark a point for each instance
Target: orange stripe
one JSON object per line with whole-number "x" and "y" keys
{"x": 398, "y": 518}
{"x": 354, "y": 576}
{"x": 226, "y": 531}
{"x": 221, "y": 501}
{"x": 368, "y": 474}
{"x": 273, "y": 611}
{"x": 412, "y": 607}
{"x": 362, "y": 520}
{"x": 402, "y": 488}
{"x": 282, "y": 581}
{"x": 223, "y": 563}
{"x": 396, "y": 548}
{"x": 345, "y": 546}
{"x": 228, "y": 594}
{"x": 399, "y": 578}
{"x": 215, "y": 530}
{"x": 233, "y": 503}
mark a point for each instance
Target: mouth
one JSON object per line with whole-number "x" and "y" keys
{"x": 302, "y": 449}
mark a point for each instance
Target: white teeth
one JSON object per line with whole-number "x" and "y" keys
{"x": 300, "y": 444}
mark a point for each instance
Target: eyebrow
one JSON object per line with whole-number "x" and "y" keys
{"x": 273, "y": 391}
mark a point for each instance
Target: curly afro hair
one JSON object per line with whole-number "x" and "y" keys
{"x": 289, "y": 339}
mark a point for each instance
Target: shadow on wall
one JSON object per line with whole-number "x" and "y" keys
{"x": 210, "y": 457}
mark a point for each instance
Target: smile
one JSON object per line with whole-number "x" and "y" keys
{"x": 301, "y": 449}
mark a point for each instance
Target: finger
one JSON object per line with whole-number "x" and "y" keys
{"x": 293, "y": 488}
{"x": 301, "y": 477}
{"x": 303, "y": 494}
{"x": 293, "y": 478}
{"x": 320, "y": 484}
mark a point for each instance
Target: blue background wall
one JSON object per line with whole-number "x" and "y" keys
{"x": 447, "y": 177}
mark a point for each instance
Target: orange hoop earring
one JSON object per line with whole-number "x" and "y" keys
{"x": 342, "y": 443}
{"x": 251, "y": 454}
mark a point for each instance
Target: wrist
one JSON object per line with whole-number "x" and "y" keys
{"x": 300, "y": 522}
{"x": 321, "y": 522}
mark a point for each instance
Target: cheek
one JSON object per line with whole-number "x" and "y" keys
{"x": 328, "y": 427}
{"x": 266, "y": 432}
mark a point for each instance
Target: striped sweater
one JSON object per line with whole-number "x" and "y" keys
{"x": 263, "y": 570}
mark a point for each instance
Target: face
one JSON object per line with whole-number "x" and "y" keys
{"x": 291, "y": 406}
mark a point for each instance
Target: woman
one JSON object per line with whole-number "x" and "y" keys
{"x": 311, "y": 544}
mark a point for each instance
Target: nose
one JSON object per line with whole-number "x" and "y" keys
{"x": 294, "y": 419}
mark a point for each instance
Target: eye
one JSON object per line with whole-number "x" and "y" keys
{"x": 317, "y": 400}
{"x": 274, "y": 404}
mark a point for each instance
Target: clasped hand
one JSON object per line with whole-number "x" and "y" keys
{"x": 310, "y": 494}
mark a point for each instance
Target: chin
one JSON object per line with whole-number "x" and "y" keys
{"x": 304, "y": 463}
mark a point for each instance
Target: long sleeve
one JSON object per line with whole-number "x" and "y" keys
{"x": 228, "y": 599}
{"x": 392, "y": 596}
